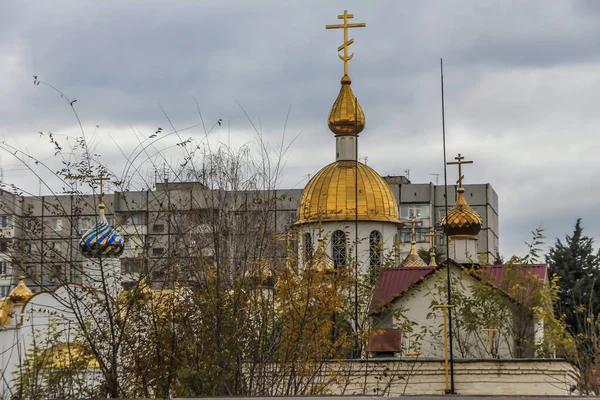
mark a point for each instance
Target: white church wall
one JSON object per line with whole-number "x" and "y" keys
{"x": 325, "y": 230}
{"x": 47, "y": 319}
{"x": 415, "y": 306}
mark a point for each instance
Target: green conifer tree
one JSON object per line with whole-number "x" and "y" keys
{"x": 579, "y": 270}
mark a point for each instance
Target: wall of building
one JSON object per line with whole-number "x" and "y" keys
{"x": 393, "y": 377}
{"x": 422, "y": 325}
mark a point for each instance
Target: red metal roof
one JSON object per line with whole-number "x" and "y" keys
{"x": 496, "y": 273}
{"x": 393, "y": 282}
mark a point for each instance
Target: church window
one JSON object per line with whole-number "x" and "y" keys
{"x": 308, "y": 246}
{"x": 375, "y": 244}
{"x": 338, "y": 240}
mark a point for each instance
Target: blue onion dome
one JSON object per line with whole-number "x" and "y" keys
{"x": 102, "y": 241}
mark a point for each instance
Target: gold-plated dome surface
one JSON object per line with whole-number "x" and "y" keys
{"x": 21, "y": 293}
{"x": 413, "y": 259}
{"x": 346, "y": 116}
{"x": 461, "y": 220}
{"x": 331, "y": 195}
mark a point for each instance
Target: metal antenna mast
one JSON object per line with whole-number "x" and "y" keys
{"x": 447, "y": 243}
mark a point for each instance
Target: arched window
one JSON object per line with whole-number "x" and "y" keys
{"x": 308, "y": 247}
{"x": 338, "y": 241}
{"x": 375, "y": 244}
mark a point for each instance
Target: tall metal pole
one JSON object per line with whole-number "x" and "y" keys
{"x": 356, "y": 215}
{"x": 447, "y": 242}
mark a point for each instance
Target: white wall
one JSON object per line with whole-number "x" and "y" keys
{"x": 325, "y": 229}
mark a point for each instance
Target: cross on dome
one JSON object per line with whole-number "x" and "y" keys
{"x": 431, "y": 235}
{"x": 345, "y": 26}
{"x": 459, "y": 161}
{"x": 101, "y": 178}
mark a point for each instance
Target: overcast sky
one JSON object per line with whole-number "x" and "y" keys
{"x": 522, "y": 85}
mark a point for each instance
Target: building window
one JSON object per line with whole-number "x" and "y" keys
{"x": 57, "y": 224}
{"x": 157, "y": 228}
{"x": 57, "y": 274}
{"x": 3, "y": 247}
{"x": 414, "y": 210}
{"x": 375, "y": 245}
{"x": 134, "y": 219}
{"x": 157, "y": 251}
{"x": 85, "y": 223}
{"x": 130, "y": 265}
{"x": 4, "y": 221}
{"x": 338, "y": 240}
{"x": 3, "y": 268}
{"x": 308, "y": 246}
{"x": 4, "y": 290}
{"x": 110, "y": 219}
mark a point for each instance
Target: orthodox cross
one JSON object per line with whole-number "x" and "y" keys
{"x": 459, "y": 161}
{"x": 101, "y": 178}
{"x": 413, "y": 234}
{"x": 431, "y": 235}
{"x": 345, "y": 58}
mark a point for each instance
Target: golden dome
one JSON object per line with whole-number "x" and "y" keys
{"x": 346, "y": 116}
{"x": 413, "y": 259}
{"x": 320, "y": 261}
{"x": 21, "y": 293}
{"x": 461, "y": 220}
{"x": 331, "y": 195}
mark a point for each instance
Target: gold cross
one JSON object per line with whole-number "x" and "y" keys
{"x": 459, "y": 161}
{"x": 431, "y": 235}
{"x": 413, "y": 234}
{"x": 345, "y": 58}
{"x": 101, "y": 178}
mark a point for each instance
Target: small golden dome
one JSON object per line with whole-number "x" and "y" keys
{"x": 331, "y": 195}
{"x": 21, "y": 293}
{"x": 413, "y": 259}
{"x": 461, "y": 220}
{"x": 260, "y": 275}
{"x": 321, "y": 262}
{"x": 346, "y": 116}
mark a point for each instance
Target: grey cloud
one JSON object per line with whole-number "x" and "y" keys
{"x": 521, "y": 85}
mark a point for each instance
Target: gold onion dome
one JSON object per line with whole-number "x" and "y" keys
{"x": 346, "y": 116}
{"x": 461, "y": 220}
{"x": 102, "y": 241}
{"x": 331, "y": 195}
{"x": 21, "y": 293}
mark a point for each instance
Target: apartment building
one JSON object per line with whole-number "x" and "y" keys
{"x": 180, "y": 223}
